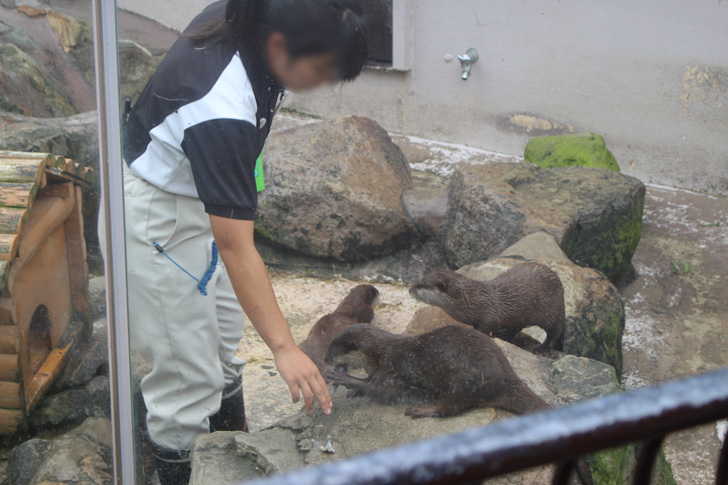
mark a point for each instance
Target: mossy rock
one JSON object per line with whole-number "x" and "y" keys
{"x": 617, "y": 466}
{"x": 594, "y": 214}
{"x": 583, "y": 149}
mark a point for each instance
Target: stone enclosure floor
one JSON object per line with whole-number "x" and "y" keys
{"x": 677, "y": 324}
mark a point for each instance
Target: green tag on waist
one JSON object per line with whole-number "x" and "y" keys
{"x": 259, "y": 177}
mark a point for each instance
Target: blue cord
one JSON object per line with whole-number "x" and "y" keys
{"x": 201, "y": 283}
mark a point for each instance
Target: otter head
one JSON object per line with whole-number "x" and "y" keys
{"x": 359, "y": 304}
{"x": 442, "y": 288}
{"x": 355, "y": 347}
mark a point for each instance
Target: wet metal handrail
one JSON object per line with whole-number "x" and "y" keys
{"x": 553, "y": 436}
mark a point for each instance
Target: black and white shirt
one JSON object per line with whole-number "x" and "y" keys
{"x": 201, "y": 122}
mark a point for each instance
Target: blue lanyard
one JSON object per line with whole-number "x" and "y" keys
{"x": 201, "y": 283}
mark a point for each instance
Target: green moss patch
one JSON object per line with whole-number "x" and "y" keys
{"x": 584, "y": 149}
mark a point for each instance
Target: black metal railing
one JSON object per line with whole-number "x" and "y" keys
{"x": 554, "y": 436}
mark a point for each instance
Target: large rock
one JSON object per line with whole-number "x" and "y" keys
{"x": 83, "y": 455}
{"x": 595, "y": 314}
{"x": 215, "y": 461}
{"x": 334, "y": 190}
{"x": 359, "y": 426}
{"x": 74, "y": 136}
{"x": 584, "y": 149}
{"x": 74, "y": 405}
{"x": 25, "y": 459}
{"x": 26, "y": 89}
{"x": 69, "y": 30}
{"x": 595, "y": 215}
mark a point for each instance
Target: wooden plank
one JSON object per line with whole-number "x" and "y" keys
{"x": 46, "y": 216}
{"x": 6, "y": 311}
{"x": 20, "y": 170}
{"x": 63, "y": 190}
{"x": 12, "y": 220}
{"x": 8, "y": 367}
{"x": 10, "y": 419}
{"x": 50, "y": 369}
{"x": 26, "y": 155}
{"x": 76, "y": 252}
{"x": 8, "y": 245}
{"x": 10, "y": 396}
{"x": 8, "y": 339}
{"x": 17, "y": 195}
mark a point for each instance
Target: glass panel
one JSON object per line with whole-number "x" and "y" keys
{"x": 54, "y": 372}
{"x": 272, "y": 242}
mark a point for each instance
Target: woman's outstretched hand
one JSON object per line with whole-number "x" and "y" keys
{"x": 303, "y": 377}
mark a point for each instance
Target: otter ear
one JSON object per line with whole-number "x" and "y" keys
{"x": 352, "y": 346}
{"x": 441, "y": 286}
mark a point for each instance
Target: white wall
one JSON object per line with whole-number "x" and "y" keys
{"x": 650, "y": 76}
{"x": 175, "y": 14}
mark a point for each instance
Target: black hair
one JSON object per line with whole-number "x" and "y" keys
{"x": 311, "y": 27}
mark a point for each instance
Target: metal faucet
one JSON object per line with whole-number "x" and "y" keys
{"x": 467, "y": 60}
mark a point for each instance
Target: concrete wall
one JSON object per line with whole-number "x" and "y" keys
{"x": 175, "y": 14}
{"x": 650, "y": 76}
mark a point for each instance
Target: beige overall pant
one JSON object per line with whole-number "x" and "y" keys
{"x": 188, "y": 340}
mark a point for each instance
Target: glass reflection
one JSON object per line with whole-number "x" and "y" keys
{"x": 54, "y": 384}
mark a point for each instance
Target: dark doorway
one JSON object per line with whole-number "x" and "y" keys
{"x": 39, "y": 337}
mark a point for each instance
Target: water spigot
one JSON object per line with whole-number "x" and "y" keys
{"x": 467, "y": 60}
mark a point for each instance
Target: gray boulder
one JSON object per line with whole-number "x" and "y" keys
{"x": 74, "y": 137}
{"x": 24, "y": 460}
{"x": 215, "y": 460}
{"x": 334, "y": 190}
{"x": 594, "y": 214}
{"x": 73, "y": 406}
{"x": 82, "y": 455}
{"x": 26, "y": 89}
{"x": 595, "y": 314}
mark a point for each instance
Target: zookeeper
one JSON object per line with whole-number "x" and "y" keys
{"x": 191, "y": 143}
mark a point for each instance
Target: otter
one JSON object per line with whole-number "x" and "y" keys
{"x": 445, "y": 371}
{"x": 440, "y": 373}
{"x": 356, "y": 308}
{"x": 530, "y": 294}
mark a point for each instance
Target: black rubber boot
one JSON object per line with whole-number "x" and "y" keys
{"x": 173, "y": 466}
{"x": 231, "y": 416}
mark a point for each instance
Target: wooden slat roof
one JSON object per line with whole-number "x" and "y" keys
{"x": 22, "y": 175}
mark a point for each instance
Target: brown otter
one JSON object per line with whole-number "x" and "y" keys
{"x": 445, "y": 371}
{"x": 440, "y": 373}
{"x": 357, "y": 307}
{"x": 530, "y": 294}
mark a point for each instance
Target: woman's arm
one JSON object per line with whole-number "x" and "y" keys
{"x": 252, "y": 286}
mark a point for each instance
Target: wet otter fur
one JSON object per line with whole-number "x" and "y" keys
{"x": 440, "y": 373}
{"x": 445, "y": 371}
{"x": 356, "y": 308}
{"x": 530, "y": 294}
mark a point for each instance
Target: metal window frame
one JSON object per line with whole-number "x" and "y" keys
{"x": 112, "y": 204}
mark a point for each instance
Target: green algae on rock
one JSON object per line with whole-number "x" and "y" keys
{"x": 584, "y": 149}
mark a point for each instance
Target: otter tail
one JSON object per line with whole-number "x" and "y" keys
{"x": 520, "y": 399}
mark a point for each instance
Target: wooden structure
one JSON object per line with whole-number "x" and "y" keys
{"x": 43, "y": 276}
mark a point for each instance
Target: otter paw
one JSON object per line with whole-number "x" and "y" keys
{"x": 339, "y": 378}
{"x": 354, "y": 393}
